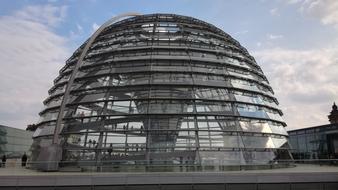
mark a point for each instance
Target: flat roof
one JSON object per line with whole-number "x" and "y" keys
{"x": 302, "y": 173}
{"x": 315, "y": 127}
{"x": 13, "y": 128}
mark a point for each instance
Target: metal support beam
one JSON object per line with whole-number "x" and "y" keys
{"x": 53, "y": 155}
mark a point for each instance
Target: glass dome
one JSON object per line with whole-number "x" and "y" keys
{"x": 162, "y": 89}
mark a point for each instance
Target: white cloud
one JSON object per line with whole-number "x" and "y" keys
{"x": 79, "y": 27}
{"x": 274, "y": 36}
{"x": 95, "y": 27}
{"x": 274, "y": 12}
{"x": 325, "y": 10}
{"x": 31, "y": 55}
{"x": 305, "y": 82}
{"x": 73, "y": 35}
{"x": 242, "y": 32}
{"x": 293, "y": 1}
{"x": 45, "y": 14}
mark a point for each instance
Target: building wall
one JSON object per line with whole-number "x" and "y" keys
{"x": 315, "y": 142}
{"x": 14, "y": 142}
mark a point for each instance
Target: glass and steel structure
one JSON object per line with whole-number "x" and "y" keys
{"x": 162, "y": 88}
{"x": 319, "y": 142}
{"x": 14, "y": 142}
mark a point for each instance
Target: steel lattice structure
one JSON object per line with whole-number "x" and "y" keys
{"x": 162, "y": 88}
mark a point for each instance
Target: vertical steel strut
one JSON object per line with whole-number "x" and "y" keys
{"x": 58, "y": 127}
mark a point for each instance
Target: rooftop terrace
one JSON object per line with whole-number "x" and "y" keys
{"x": 303, "y": 176}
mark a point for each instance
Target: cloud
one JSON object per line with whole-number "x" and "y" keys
{"x": 79, "y": 27}
{"x": 293, "y": 1}
{"x": 45, "y": 14}
{"x": 31, "y": 55}
{"x": 274, "y": 12}
{"x": 95, "y": 27}
{"x": 274, "y": 36}
{"x": 242, "y": 32}
{"x": 76, "y": 34}
{"x": 325, "y": 10}
{"x": 305, "y": 82}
